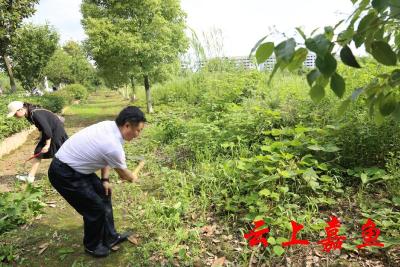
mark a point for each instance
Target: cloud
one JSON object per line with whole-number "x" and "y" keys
{"x": 64, "y": 15}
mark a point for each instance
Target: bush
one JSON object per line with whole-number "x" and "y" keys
{"x": 17, "y": 208}
{"x": 54, "y": 102}
{"x": 9, "y": 126}
{"x": 77, "y": 91}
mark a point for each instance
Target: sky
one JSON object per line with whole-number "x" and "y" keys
{"x": 242, "y": 22}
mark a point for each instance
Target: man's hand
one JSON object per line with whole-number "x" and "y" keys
{"x": 107, "y": 188}
{"x": 45, "y": 149}
{"x": 135, "y": 178}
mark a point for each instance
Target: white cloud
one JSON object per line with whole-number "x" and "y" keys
{"x": 64, "y": 15}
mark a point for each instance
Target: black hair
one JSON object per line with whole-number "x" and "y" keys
{"x": 130, "y": 114}
{"x": 29, "y": 107}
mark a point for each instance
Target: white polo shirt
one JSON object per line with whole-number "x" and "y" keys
{"x": 93, "y": 148}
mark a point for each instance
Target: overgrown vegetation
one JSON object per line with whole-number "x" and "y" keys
{"x": 232, "y": 146}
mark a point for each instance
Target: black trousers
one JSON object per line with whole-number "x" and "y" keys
{"x": 86, "y": 194}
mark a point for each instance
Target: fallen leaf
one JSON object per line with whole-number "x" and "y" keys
{"x": 43, "y": 247}
{"x": 218, "y": 262}
{"x": 115, "y": 248}
{"x": 210, "y": 254}
{"x": 51, "y": 202}
{"x": 208, "y": 230}
{"x": 133, "y": 240}
{"x": 52, "y": 205}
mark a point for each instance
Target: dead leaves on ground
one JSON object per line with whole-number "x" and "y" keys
{"x": 133, "y": 239}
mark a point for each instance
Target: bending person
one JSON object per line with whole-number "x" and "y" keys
{"x": 52, "y": 130}
{"x": 72, "y": 173}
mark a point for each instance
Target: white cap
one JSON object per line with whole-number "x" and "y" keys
{"x": 13, "y": 107}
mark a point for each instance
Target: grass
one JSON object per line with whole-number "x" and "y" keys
{"x": 181, "y": 210}
{"x": 156, "y": 220}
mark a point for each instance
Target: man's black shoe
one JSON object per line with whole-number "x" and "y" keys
{"x": 120, "y": 238}
{"x": 99, "y": 251}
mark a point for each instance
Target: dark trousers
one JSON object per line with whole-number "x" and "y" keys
{"x": 86, "y": 194}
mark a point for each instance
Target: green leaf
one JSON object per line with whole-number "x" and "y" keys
{"x": 280, "y": 240}
{"x": 315, "y": 147}
{"x": 348, "y": 58}
{"x": 380, "y": 5}
{"x": 319, "y": 44}
{"x": 330, "y": 148}
{"x": 278, "y": 250}
{"x": 271, "y": 240}
{"x": 346, "y": 36}
{"x": 394, "y": 79}
{"x": 383, "y": 53}
{"x": 265, "y": 192}
{"x": 326, "y": 64}
{"x": 298, "y": 58}
{"x": 338, "y": 24}
{"x": 338, "y": 84}
{"x": 264, "y": 51}
{"x": 388, "y": 105}
{"x": 285, "y": 50}
{"x": 312, "y": 77}
{"x": 343, "y": 107}
{"x": 276, "y": 67}
{"x": 365, "y": 22}
{"x": 317, "y": 92}
{"x": 364, "y": 178}
{"x": 396, "y": 200}
{"x": 300, "y": 31}
{"x": 328, "y": 32}
{"x": 396, "y": 113}
{"x": 257, "y": 45}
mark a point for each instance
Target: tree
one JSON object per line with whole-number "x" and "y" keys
{"x": 134, "y": 37}
{"x": 80, "y": 66}
{"x": 12, "y": 14}
{"x": 32, "y": 48}
{"x": 374, "y": 24}
{"x": 58, "y": 68}
{"x": 70, "y": 64}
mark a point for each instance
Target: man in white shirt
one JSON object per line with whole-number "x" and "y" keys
{"x": 72, "y": 174}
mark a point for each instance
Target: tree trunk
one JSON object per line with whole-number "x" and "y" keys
{"x": 133, "y": 96}
{"x": 10, "y": 73}
{"x": 148, "y": 95}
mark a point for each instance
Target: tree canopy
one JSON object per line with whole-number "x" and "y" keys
{"x": 134, "y": 38}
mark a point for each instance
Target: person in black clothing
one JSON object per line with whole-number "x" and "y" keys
{"x": 52, "y": 130}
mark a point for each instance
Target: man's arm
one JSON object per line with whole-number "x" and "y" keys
{"x": 105, "y": 173}
{"x": 128, "y": 175}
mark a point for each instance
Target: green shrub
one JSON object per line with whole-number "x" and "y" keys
{"x": 8, "y": 255}
{"x": 54, "y": 102}
{"x": 9, "y": 126}
{"x": 17, "y": 208}
{"x": 78, "y": 91}
{"x": 69, "y": 98}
